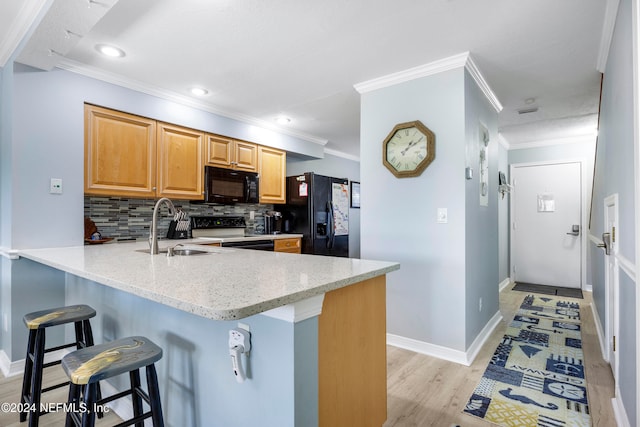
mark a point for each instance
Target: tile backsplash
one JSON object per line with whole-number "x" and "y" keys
{"x": 130, "y": 219}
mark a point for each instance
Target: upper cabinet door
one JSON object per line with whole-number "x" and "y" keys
{"x": 180, "y": 154}
{"x": 246, "y": 156}
{"x": 273, "y": 170}
{"x": 119, "y": 153}
{"x": 229, "y": 153}
{"x": 219, "y": 151}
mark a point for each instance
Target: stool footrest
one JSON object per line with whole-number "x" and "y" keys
{"x": 53, "y": 387}
{"x": 61, "y": 347}
{"x": 134, "y": 420}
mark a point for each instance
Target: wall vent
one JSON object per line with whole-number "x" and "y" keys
{"x": 527, "y": 110}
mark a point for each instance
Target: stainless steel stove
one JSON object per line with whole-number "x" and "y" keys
{"x": 232, "y": 227}
{"x": 218, "y": 226}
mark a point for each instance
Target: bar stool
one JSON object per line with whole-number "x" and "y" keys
{"x": 38, "y": 322}
{"x": 87, "y": 366}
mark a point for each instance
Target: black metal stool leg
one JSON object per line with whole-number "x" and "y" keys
{"x": 74, "y": 400}
{"x": 154, "y": 396}
{"x": 89, "y": 416}
{"x": 135, "y": 396}
{"x": 36, "y": 380}
{"x": 28, "y": 372}
{"x": 88, "y": 342}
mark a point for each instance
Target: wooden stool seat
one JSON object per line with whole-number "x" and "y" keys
{"x": 58, "y": 316}
{"x": 37, "y": 323}
{"x": 87, "y": 366}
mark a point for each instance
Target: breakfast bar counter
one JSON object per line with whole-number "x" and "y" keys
{"x": 222, "y": 284}
{"x": 317, "y": 324}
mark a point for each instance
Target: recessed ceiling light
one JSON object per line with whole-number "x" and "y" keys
{"x": 282, "y": 120}
{"x": 111, "y": 51}
{"x": 198, "y": 91}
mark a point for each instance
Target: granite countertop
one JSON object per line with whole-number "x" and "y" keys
{"x": 224, "y": 284}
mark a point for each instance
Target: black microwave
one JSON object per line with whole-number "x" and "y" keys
{"x": 230, "y": 186}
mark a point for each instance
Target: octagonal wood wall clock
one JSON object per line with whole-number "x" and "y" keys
{"x": 408, "y": 149}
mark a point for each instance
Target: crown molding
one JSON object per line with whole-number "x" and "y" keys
{"x": 98, "y": 74}
{"x": 446, "y": 64}
{"x": 425, "y": 70}
{"x": 503, "y": 141}
{"x": 473, "y": 69}
{"x": 341, "y": 154}
{"x": 610, "y": 13}
{"x": 20, "y": 27}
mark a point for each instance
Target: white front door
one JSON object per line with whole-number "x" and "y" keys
{"x": 546, "y": 209}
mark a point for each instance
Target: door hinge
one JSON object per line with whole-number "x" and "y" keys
{"x": 614, "y": 343}
{"x": 613, "y": 234}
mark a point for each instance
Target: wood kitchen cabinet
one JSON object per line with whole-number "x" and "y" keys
{"x": 119, "y": 153}
{"x": 230, "y": 153}
{"x": 273, "y": 171}
{"x": 180, "y": 171}
{"x": 290, "y": 245}
{"x": 132, "y": 156}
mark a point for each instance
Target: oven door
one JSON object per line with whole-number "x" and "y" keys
{"x": 259, "y": 245}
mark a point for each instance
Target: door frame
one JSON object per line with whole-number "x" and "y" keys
{"x": 584, "y": 196}
{"x": 612, "y": 291}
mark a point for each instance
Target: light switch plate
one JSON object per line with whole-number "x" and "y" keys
{"x": 443, "y": 217}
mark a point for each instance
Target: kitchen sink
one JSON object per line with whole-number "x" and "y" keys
{"x": 185, "y": 251}
{"x": 178, "y": 251}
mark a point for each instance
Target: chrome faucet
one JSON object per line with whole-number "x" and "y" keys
{"x": 153, "y": 233}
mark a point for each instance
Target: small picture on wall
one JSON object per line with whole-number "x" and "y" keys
{"x": 355, "y": 194}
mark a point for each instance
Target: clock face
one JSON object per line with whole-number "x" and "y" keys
{"x": 408, "y": 149}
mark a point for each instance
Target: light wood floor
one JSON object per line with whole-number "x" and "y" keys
{"x": 426, "y": 391}
{"x": 422, "y": 390}
{"x": 10, "y": 393}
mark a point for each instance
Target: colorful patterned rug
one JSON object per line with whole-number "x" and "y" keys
{"x": 536, "y": 375}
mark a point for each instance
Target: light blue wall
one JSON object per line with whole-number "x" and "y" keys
{"x": 196, "y": 382}
{"x": 614, "y": 174}
{"x": 338, "y": 167}
{"x": 481, "y": 222}
{"x": 425, "y": 298}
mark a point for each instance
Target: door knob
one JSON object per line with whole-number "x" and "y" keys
{"x": 575, "y": 230}
{"x": 606, "y": 243}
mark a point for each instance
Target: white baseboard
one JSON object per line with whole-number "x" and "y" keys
{"x": 601, "y": 336}
{"x": 503, "y": 285}
{"x": 622, "y": 420}
{"x": 445, "y": 353}
{"x": 588, "y": 288}
{"x": 10, "y": 369}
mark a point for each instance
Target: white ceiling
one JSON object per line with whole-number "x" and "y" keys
{"x": 260, "y": 59}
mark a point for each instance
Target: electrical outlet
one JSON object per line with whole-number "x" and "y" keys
{"x": 240, "y": 337}
{"x": 55, "y": 186}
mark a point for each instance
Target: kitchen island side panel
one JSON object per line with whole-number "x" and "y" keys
{"x": 352, "y": 360}
{"x": 196, "y": 382}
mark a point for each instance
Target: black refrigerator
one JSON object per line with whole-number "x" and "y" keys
{"x": 318, "y": 208}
